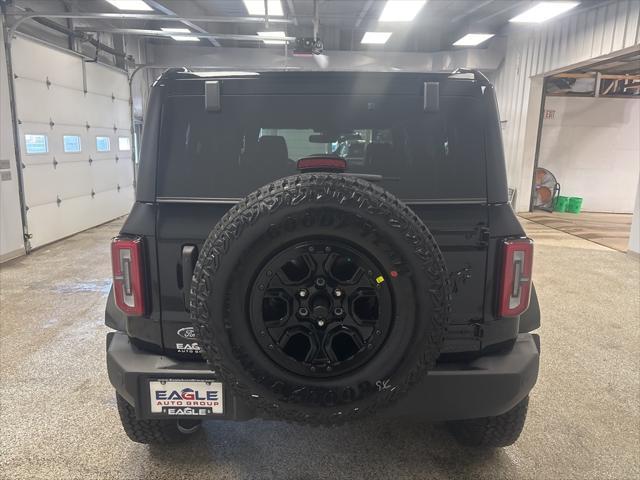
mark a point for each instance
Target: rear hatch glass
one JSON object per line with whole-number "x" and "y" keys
{"x": 257, "y": 138}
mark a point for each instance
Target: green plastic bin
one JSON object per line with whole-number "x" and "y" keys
{"x": 560, "y": 204}
{"x": 574, "y": 205}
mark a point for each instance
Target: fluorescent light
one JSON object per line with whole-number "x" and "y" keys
{"x": 401, "y": 10}
{"x": 183, "y": 38}
{"x": 273, "y": 35}
{"x": 473, "y": 39}
{"x": 256, "y": 7}
{"x": 543, "y": 11}
{"x": 175, "y": 30}
{"x": 180, "y": 38}
{"x": 137, "y": 5}
{"x": 376, "y": 38}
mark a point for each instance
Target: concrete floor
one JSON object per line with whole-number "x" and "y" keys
{"x": 58, "y": 416}
{"x": 608, "y": 229}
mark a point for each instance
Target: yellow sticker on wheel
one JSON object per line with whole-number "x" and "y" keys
{"x": 379, "y": 279}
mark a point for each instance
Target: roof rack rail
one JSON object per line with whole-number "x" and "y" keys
{"x": 478, "y": 76}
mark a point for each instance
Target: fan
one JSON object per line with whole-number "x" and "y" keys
{"x": 547, "y": 189}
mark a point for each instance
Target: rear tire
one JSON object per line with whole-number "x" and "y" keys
{"x": 154, "y": 432}
{"x": 493, "y": 432}
{"x": 268, "y": 315}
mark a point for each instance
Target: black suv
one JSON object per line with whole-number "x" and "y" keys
{"x": 261, "y": 274}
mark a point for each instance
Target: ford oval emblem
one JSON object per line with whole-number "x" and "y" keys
{"x": 187, "y": 332}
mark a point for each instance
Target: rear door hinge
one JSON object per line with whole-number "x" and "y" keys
{"x": 482, "y": 235}
{"x": 469, "y": 331}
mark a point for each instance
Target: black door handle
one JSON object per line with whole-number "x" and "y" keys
{"x": 189, "y": 258}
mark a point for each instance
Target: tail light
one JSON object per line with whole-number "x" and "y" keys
{"x": 515, "y": 290}
{"x": 128, "y": 279}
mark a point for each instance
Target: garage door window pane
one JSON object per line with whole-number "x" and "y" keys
{"x": 71, "y": 143}
{"x": 103, "y": 144}
{"x": 124, "y": 143}
{"x": 36, "y": 144}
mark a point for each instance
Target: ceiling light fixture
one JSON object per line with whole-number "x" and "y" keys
{"x": 375, "y": 38}
{"x": 180, "y": 38}
{"x": 133, "y": 5}
{"x": 401, "y": 10}
{"x": 472, "y": 39}
{"x": 273, "y": 35}
{"x": 256, "y": 7}
{"x": 543, "y": 11}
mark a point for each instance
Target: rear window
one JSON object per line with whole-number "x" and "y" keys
{"x": 256, "y": 139}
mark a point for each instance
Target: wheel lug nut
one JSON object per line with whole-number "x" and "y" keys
{"x": 303, "y": 312}
{"x": 338, "y": 312}
{"x": 320, "y": 282}
{"x": 302, "y": 293}
{"x": 337, "y": 293}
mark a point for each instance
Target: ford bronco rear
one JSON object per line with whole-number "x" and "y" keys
{"x": 320, "y": 247}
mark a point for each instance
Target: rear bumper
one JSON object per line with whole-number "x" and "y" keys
{"x": 487, "y": 386}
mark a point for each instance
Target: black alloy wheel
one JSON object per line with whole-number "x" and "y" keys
{"x": 321, "y": 308}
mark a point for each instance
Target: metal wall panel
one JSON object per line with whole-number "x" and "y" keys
{"x": 69, "y": 192}
{"x": 536, "y": 51}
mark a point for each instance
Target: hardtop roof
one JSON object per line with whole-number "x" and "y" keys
{"x": 182, "y": 81}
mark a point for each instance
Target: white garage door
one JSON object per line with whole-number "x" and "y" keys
{"x": 75, "y": 141}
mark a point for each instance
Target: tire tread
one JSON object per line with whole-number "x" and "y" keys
{"x": 158, "y": 432}
{"x": 499, "y": 431}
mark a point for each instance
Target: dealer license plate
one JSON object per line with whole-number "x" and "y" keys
{"x": 186, "y": 397}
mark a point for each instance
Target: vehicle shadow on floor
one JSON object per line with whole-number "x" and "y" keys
{"x": 371, "y": 449}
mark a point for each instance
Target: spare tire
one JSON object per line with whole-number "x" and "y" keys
{"x": 320, "y": 298}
